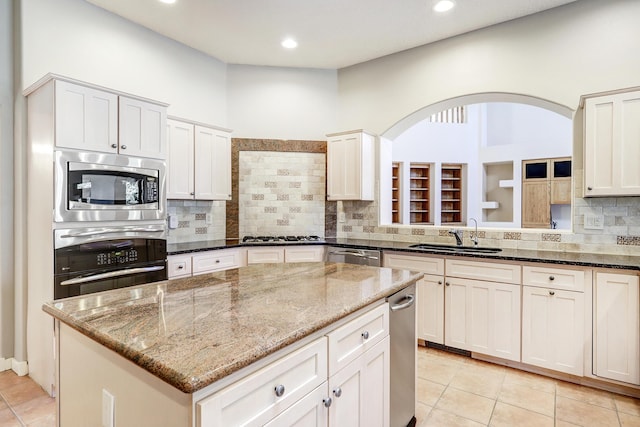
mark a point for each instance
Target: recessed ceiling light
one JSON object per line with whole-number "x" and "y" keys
{"x": 289, "y": 43}
{"x": 444, "y": 5}
{"x": 167, "y": 1}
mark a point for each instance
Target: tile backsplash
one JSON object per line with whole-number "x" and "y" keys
{"x": 197, "y": 220}
{"x": 281, "y": 193}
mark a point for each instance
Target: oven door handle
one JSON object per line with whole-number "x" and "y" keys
{"x": 111, "y": 230}
{"x": 111, "y": 275}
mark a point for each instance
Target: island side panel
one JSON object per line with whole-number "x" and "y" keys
{"x": 86, "y": 368}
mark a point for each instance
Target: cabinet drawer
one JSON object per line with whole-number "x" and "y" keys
{"x": 304, "y": 254}
{"x": 178, "y": 266}
{"x": 558, "y": 278}
{"x": 265, "y": 255}
{"x": 423, "y": 264}
{"x": 492, "y": 272}
{"x": 253, "y": 400}
{"x": 207, "y": 262}
{"x": 348, "y": 342}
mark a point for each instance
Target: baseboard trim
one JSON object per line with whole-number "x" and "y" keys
{"x": 20, "y": 368}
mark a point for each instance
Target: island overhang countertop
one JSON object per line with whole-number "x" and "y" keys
{"x": 194, "y": 331}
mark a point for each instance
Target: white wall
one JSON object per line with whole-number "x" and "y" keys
{"x": 76, "y": 39}
{"x": 557, "y": 55}
{"x": 6, "y": 182}
{"x": 282, "y": 103}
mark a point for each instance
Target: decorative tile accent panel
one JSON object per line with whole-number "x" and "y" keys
{"x": 511, "y": 235}
{"x": 551, "y": 237}
{"x": 628, "y": 240}
{"x": 392, "y": 230}
{"x": 281, "y": 193}
{"x": 192, "y": 220}
{"x": 417, "y": 232}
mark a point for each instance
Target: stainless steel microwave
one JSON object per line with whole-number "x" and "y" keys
{"x": 108, "y": 187}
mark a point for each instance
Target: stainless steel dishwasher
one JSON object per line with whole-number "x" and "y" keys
{"x": 354, "y": 256}
{"x": 402, "y": 331}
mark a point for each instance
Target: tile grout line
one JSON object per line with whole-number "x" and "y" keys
{"x": 15, "y": 414}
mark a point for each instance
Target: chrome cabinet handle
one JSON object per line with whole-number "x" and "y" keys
{"x": 408, "y": 302}
{"x": 279, "y": 390}
{"x": 114, "y": 145}
{"x": 365, "y": 335}
{"x": 124, "y": 147}
{"x": 337, "y": 392}
{"x": 180, "y": 267}
{"x": 327, "y": 402}
{"x": 217, "y": 261}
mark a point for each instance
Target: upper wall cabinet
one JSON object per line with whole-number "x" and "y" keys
{"x": 88, "y": 118}
{"x": 199, "y": 162}
{"x": 350, "y": 166}
{"x": 612, "y": 145}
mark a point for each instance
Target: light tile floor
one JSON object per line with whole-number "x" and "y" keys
{"x": 459, "y": 391}
{"x": 452, "y": 391}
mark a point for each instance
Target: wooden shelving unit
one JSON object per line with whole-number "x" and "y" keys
{"x": 419, "y": 202}
{"x": 451, "y": 189}
{"x": 395, "y": 193}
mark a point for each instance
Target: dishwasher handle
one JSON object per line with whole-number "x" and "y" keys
{"x": 405, "y": 302}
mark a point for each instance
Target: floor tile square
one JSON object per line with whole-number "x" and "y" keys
{"x": 476, "y": 381}
{"x": 508, "y": 416}
{"x": 628, "y": 405}
{"x": 528, "y": 398}
{"x": 586, "y": 394}
{"x": 428, "y": 392}
{"x": 534, "y": 381}
{"x": 627, "y": 420}
{"x": 584, "y": 414}
{"x": 439, "y": 418}
{"x": 466, "y": 405}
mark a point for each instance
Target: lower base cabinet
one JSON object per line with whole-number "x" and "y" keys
{"x": 553, "y": 329}
{"x": 617, "y": 327}
{"x": 430, "y": 292}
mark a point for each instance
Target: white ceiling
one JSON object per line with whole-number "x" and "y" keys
{"x": 331, "y": 33}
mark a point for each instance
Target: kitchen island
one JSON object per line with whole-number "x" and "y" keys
{"x": 151, "y": 354}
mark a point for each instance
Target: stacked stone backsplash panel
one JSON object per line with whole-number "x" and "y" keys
{"x": 281, "y": 193}
{"x": 192, "y": 220}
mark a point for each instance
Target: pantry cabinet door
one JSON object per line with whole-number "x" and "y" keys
{"x": 85, "y": 118}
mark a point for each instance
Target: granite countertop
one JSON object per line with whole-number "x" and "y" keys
{"x": 627, "y": 262}
{"x": 194, "y": 331}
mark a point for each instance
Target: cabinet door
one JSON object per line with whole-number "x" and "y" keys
{"x": 553, "y": 329}
{"x": 178, "y": 266}
{"x": 536, "y": 204}
{"x": 304, "y": 254}
{"x": 212, "y": 164}
{"x": 616, "y": 327}
{"x": 344, "y": 159}
{"x": 180, "y": 160}
{"x": 270, "y": 254}
{"x": 612, "y": 131}
{"x": 456, "y": 302}
{"x": 307, "y": 412}
{"x": 210, "y": 261}
{"x": 86, "y": 119}
{"x": 360, "y": 391}
{"x": 430, "y": 309}
{"x": 143, "y": 128}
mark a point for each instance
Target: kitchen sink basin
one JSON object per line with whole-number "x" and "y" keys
{"x": 456, "y": 249}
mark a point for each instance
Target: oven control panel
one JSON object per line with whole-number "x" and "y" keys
{"x": 117, "y": 257}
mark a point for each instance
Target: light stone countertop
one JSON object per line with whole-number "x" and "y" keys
{"x": 194, "y": 331}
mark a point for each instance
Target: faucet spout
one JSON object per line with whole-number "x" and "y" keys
{"x": 458, "y": 235}
{"x": 475, "y": 234}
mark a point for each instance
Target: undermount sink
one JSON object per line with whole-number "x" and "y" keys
{"x": 453, "y": 248}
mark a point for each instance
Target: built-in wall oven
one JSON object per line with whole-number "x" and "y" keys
{"x": 108, "y": 187}
{"x": 101, "y": 258}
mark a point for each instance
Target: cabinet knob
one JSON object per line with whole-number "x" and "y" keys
{"x": 279, "y": 390}
{"x": 447, "y": 284}
{"x": 124, "y": 147}
{"x": 552, "y": 293}
{"x": 217, "y": 261}
{"x": 114, "y": 145}
{"x": 192, "y": 194}
{"x": 337, "y": 392}
{"x": 180, "y": 267}
{"x": 327, "y": 402}
{"x": 589, "y": 188}
{"x": 365, "y": 335}
{"x": 439, "y": 282}
{"x": 552, "y": 278}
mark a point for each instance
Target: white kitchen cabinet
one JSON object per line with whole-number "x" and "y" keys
{"x": 553, "y": 329}
{"x": 178, "y": 266}
{"x": 616, "y": 327}
{"x": 360, "y": 391}
{"x": 310, "y": 411}
{"x": 142, "y": 128}
{"x": 265, "y": 254}
{"x": 199, "y": 164}
{"x": 611, "y": 149}
{"x": 186, "y": 265}
{"x": 263, "y": 395}
{"x": 306, "y": 253}
{"x": 350, "y": 166}
{"x": 85, "y": 118}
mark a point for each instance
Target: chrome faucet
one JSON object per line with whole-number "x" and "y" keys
{"x": 474, "y": 239}
{"x": 458, "y": 235}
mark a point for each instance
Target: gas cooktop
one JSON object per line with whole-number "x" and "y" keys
{"x": 281, "y": 239}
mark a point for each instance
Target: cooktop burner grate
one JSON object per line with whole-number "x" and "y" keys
{"x": 281, "y": 239}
